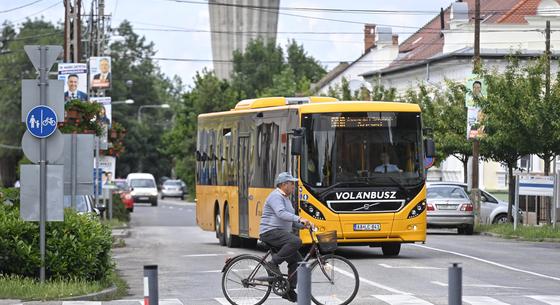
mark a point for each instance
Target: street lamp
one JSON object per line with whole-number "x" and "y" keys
{"x": 128, "y": 101}
{"x": 150, "y": 106}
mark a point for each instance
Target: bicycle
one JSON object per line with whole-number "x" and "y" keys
{"x": 247, "y": 280}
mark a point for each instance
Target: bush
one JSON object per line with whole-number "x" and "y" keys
{"x": 119, "y": 210}
{"x": 77, "y": 248}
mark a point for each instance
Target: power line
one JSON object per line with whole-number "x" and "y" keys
{"x": 19, "y": 7}
{"x": 41, "y": 11}
{"x": 349, "y": 11}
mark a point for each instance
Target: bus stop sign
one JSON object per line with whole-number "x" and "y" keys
{"x": 41, "y": 121}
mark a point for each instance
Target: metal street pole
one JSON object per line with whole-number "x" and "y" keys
{"x": 43, "y": 78}
{"x": 475, "y": 193}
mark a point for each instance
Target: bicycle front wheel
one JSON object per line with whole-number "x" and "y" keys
{"x": 245, "y": 281}
{"x": 334, "y": 280}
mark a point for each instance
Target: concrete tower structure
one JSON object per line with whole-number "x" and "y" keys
{"x": 234, "y": 23}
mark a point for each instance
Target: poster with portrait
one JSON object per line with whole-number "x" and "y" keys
{"x": 476, "y": 89}
{"x": 107, "y": 165}
{"x": 104, "y": 119}
{"x": 75, "y": 81}
{"x": 100, "y": 72}
{"x": 474, "y": 126}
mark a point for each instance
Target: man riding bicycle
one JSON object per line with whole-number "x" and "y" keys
{"x": 277, "y": 219}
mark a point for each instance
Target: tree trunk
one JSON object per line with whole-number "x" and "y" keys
{"x": 511, "y": 189}
{"x": 547, "y": 160}
{"x": 8, "y": 168}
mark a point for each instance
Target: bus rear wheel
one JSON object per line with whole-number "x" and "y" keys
{"x": 218, "y": 224}
{"x": 232, "y": 241}
{"x": 391, "y": 249}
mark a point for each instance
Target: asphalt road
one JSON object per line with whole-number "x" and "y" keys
{"x": 495, "y": 271}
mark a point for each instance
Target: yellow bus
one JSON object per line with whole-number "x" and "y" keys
{"x": 360, "y": 167}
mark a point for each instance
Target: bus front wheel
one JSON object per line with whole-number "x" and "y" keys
{"x": 391, "y": 249}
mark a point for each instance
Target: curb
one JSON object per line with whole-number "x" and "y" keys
{"x": 96, "y": 296}
{"x": 120, "y": 233}
{"x": 552, "y": 240}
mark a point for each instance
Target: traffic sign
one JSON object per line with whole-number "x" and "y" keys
{"x": 32, "y": 147}
{"x": 41, "y": 121}
{"x": 34, "y": 54}
{"x": 31, "y": 97}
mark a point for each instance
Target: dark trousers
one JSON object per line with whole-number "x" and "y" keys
{"x": 289, "y": 244}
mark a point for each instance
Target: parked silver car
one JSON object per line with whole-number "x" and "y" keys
{"x": 449, "y": 206}
{"x": 492, "y": 209}
{"x": 84, "y": 204}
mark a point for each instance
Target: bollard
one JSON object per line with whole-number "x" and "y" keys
{"x": 455, "y": 288}
{"x": 304, "y": 284}
{"x": 151, "y": 285}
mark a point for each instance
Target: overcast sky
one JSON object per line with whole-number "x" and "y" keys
{"x": 328, "y": 48}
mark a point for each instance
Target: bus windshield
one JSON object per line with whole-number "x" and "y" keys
{"x": 370, "y": 148}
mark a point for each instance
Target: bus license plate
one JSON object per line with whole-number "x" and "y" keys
{"x": 367, "y": 227}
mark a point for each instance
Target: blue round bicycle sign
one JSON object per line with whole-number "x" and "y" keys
{"x": 41, "y": 121}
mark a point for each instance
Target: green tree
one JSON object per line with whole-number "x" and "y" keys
{"x": 14, "y": 66}
{"x": 305, "y": 67}
{"x": 209, "y": 94}
{"x": 131, "y": 60}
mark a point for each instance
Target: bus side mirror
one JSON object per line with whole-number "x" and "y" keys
{"x": 297, "y": 142}
{"x": 429, "y": 148}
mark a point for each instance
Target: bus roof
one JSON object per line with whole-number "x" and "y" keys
{"x": 314, "y": 104}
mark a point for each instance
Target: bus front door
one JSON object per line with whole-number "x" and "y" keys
{"x": 243, "y": 185}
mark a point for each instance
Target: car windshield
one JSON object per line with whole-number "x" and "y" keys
{"x": 121, "y": 184}
{"x": 142, "y": 183}
{"x": 81, "y": 203}
{"x": 172, "y": 183}
{"x": 362, "y": 147}
{"x": 446, "y": 192}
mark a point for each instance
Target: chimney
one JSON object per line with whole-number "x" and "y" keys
{"x": 459, "y": 14}
{"x": 441, "y": 21}
{"x": 369, "y": 37}
{"x": 395, "y": 39}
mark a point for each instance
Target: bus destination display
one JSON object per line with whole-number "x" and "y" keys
{"x": 362, "y": 122}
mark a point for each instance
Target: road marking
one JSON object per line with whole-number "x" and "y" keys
{"x": 401, "y": 300}
{"x": 409, "y": 267}
{"x": 209, "y": 254}
{"x": 141, "y": 302}
{"x": 491, "y": 263}
{"x": 372, "y": 283}
{"x": 223, "y": 301}
{"x": 80, "y": 303}
{"x": 548, "y": 299}
{"x": 208, "y": 271}
{"x": 478, "y": 285}
{"x": 482, "y": 300}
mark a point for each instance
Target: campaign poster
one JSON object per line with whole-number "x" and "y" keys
{"x": 100, "y": 72}
{"x": 75, "y": 81}
{"x": 476, "y": 90}
{"x": 104, "y": 119}
{"x": 474, "y": 123}
{"x": 107, "y": 165}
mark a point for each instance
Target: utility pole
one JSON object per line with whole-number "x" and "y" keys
{"x": 72, "y": 34}
{"x": 475, "y": 192}
{"x": 547, "y": 52}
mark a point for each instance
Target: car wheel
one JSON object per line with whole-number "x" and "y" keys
{"x": 500, "y": 219}
{"x": 131, "y": 210}
{"x": 162, "y": 197}
{"x": 466, "y": 230}
{"x": 391, "y": 249}
{"x": 218, "y": 228}
{"x": 232, "y": 241}
{"x": 155, "y": 203}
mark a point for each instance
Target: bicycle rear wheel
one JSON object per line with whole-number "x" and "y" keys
{"x": 335, "y": 283}
{"x": 238, "y": 288}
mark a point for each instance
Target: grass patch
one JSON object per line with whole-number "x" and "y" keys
{"x": 114, "y": 223}
{"x": 531, "y": 233}
{"x": 24, "y": 288}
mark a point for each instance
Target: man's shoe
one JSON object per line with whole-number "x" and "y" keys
{"x": 291, "y": 296}
{"x": 274, "y": 268}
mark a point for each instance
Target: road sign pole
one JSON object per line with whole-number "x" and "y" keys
{"x": 516, "y": 203}
{"x": 96, "y": 181}
{"x": 43, "y": 78}
{"x": 73, "y": 168}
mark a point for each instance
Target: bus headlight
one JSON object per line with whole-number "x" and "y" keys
{"x": 417, "y": 210}
{"x": 312, "y": 210}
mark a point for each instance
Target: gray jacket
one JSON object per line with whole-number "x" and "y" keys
{"x": 278, "y": 213}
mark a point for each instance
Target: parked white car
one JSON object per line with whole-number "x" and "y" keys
{"x": 492, "y": 210}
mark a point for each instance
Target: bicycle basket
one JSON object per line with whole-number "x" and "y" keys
{"x": 327, "y": 241}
